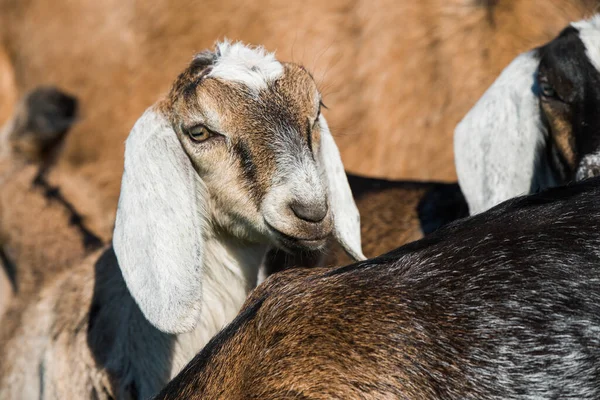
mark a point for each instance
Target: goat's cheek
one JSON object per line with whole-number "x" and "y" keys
{"x": 562, "y": 132}
{"x": 208, "y": 160}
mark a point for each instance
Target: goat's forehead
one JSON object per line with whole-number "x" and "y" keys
{"x": 294, "y": 85}
{"x": 252, "y": 66}
{"x": 239, "y": 84}
{"x": 294, "y": 95}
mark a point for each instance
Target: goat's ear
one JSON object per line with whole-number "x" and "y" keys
{"x": 159, "y": 226}
{"x": 499, "y": 146}
{"x": 346, "y": 219}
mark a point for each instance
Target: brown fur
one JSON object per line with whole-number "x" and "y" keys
{"x": 9, "y": 97}
{"x": 562, "y": 133}
{"x": 61, "y": 310}
{"x": 246, "y": 120}
{"x": 326, "y": 354}
{"x": 6, "y": 287}
{"x": 397, "y": 75}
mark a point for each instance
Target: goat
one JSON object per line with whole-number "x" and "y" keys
{"x": 504, "y": 304}
{"x": 40, "y": 233}
{"x": 536, "y": 126}
{"x": 236, "y": 158}
{"x": 395, "y": 128}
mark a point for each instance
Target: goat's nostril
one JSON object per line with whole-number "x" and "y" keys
{"x": 312, "y": 212}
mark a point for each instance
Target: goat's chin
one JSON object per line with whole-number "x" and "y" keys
{"x": 249, "y": 227}
{"x": 293, "y": 245}
{"x": 297, "y": 241}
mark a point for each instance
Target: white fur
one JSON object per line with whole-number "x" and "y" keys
{"x": 589, "y": 33}
{"x": 231, "y": 272}
{"x": 252, "y": 66}
{"x": 346, "y": 218}
{"x": 150, "y": 356}
{"x": 158, "y": 237}
{"x": 499, "y": 145}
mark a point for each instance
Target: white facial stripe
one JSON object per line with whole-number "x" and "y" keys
{"x": 589, "y": 33}
{"x": 294, "y": 159}
{"x": 252, "y": 66}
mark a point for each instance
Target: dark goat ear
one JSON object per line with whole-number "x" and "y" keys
{"x": 202, "y": 60}
{"x": 41, "y": 121}
{"x": 50, "y": 111}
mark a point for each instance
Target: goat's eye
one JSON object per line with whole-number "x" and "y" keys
{"x": 547, "y": 90}
{"x": 199, "y": 133}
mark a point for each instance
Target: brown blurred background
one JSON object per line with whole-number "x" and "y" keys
{"x": 397, "y": 75}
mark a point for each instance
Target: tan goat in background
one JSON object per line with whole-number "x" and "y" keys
{"x": 397, "y": 75}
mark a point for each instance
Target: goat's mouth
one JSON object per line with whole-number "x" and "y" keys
{"x": 294, "y": 243}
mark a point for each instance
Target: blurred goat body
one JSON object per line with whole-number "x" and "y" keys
{"x": 505, "y": 304}
{"x": 40, "y": 233}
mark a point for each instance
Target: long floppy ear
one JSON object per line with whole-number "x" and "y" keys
{"x": 346, "y": 219}
{"x": 158, "y": 232}
{"x": 499, "y": 146}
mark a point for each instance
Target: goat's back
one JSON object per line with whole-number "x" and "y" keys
{"x": 505, "y": 304}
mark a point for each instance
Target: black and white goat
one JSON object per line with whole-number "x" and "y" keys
{"x": 538, "y": 125}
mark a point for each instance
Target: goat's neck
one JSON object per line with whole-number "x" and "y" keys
{"x": 231, "y": 271}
